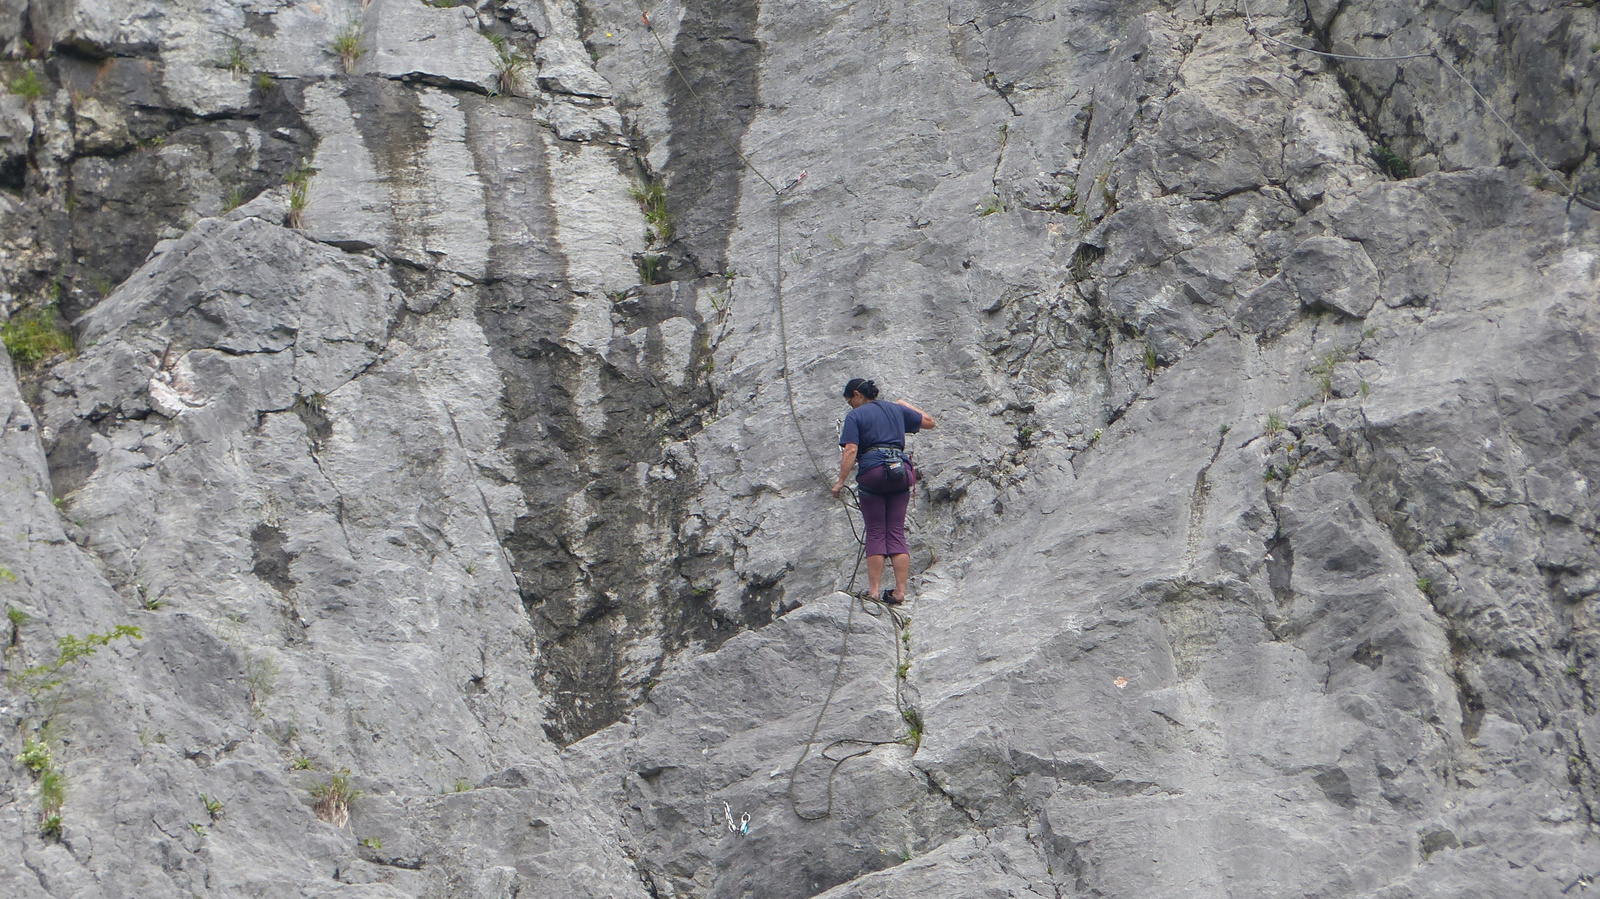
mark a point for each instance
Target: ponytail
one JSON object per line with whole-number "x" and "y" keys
{"x": 863, "y": 386}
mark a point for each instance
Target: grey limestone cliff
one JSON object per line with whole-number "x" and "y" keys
{"x": 455, "y": 385}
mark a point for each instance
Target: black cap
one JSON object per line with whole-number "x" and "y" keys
{"x": 854, "y": 385}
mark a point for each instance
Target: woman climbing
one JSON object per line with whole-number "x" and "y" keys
{"x": 884, "y": 480}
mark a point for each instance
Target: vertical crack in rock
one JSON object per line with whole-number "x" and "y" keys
{"x": 1197, "y": 507}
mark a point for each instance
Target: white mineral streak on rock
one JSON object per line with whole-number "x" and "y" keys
{"x": 677, "y": 347}
{"x": 164, "y": 399}
{"x": 347, "y": 200}
{"x": 593, "y": 212}
{"x": 462, "y": 381}
{"x": 451, "y": 197}
{"x": 172, "y": 392}
{"x": 590, "y": 197}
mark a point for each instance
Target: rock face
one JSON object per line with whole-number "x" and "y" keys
{"x": 455, "y": 391}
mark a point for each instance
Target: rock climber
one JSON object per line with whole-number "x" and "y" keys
{"x": 884, "y": 479}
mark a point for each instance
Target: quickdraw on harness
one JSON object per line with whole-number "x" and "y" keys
{"x": 743, "y": 827}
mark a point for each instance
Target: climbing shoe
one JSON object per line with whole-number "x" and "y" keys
{"x": 889, "y": 598}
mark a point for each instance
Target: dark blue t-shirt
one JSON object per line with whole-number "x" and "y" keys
{"x": 878, "y": 423}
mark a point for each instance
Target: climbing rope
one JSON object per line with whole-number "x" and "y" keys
{"x": 906, "y": 712}
{"x": 1571, "y": 193}
{"x": 901, "y": 638}
{"x": 777, "y": 266}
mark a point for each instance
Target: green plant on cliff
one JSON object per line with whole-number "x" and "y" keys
{"x": 1082, "y": 258}
{"x": 52, "y": 795}
{"x": 41, "y": 680}
{"x": 652, "y": 198}
{"x": 914, "y": 726}
{"x": 651, "y": 267}
{"x": 236, "y": 57}
{"x": 27, "y": 85}
{"x": 16, "y": 618}
{"x": 34, "y": 337}
{"x": 509, "y": 64}
{"x": 299, "y": 182}
{"x": 35, "y": 755}
{"x": 261, "y": 676}
{"x": 52, "y": 792}
{"x": 1393, "y": 164}
{"x": 41, "y": 683}
{"x": 1322, "y": 371}
{"x": 38, "y": 758}
{"x": 212, "y": 805}
{"x": 347, "y": 45}
{"x": 335, "y": 798}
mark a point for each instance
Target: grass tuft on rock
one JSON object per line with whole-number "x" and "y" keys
{"x": 509, "y": 64}
{"x": 27, "y": 85}
{"x": 1393, "y": 164}
{"x": 347, "y": 45}
{"x": 299, "y": 182}
{"x": 652, "y": 198}
{"x": 334, "y": 799}
{"x": 35, "y": 336}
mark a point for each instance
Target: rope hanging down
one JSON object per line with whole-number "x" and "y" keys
{"x": 906, "y": 711}
{"x": 901, "y": 638}
{"x": 777, "y": 262}
{"x": 1571, "y": 193}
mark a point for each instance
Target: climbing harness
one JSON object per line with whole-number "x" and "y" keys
{"x": 907, "y": 712}
{"x": 1571, "y": 193}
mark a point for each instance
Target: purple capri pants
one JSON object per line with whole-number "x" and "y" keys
{"x": 884, "y": 516}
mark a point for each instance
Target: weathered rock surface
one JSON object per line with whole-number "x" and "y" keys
{"x": 419, "y": 42}
{"x": 438, "y": 458}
